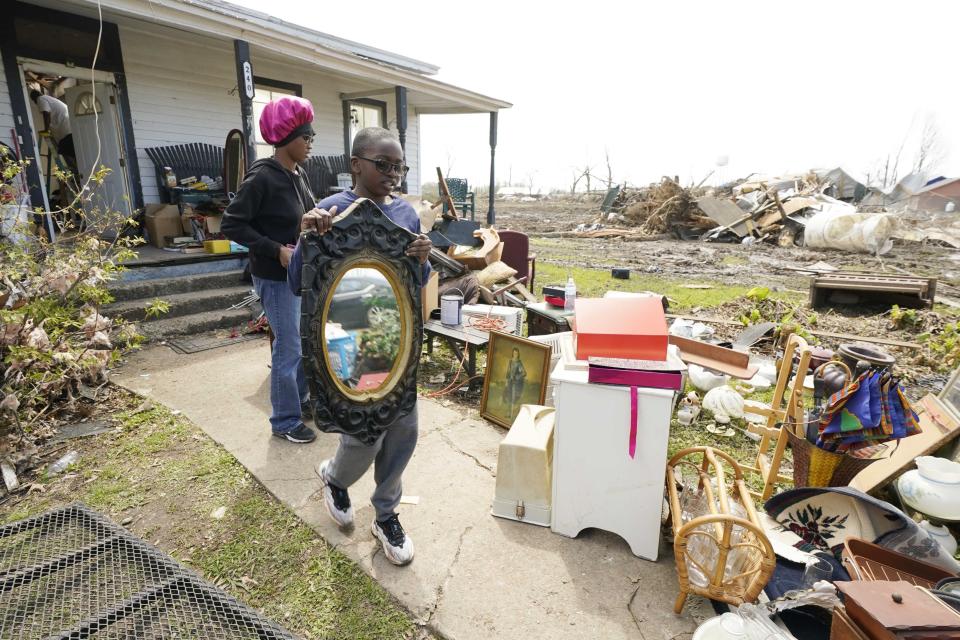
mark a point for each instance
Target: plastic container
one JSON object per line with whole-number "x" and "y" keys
{"x": 342, "y": 351}
{"x": 569, "y": 295}
{"x": 61, "y": 465}
{"x": 216, "y": 246}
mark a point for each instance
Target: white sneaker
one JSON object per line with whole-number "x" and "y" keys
{"x": 397, "y": 546}
{"x": 335, "y": 499}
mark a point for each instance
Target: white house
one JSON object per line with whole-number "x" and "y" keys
{"x": 176, "y": 71}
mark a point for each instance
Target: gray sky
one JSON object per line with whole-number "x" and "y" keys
{"x": 669, "y": 87}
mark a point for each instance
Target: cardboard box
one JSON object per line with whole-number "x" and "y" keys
{"x": 633, "y": 328}
{"x": 212, "y": 223}
{"x": 430, "y": 295}
{"x": 162, "y": 221}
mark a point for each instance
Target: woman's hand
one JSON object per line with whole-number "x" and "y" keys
{"x": 420, "y": 248}
{"x": 285, "y": 254}
{"x": 319, "y": 219}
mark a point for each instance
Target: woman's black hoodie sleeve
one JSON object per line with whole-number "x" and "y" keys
{"x": 265, "y": 215}
{"x": 238, "y": 219}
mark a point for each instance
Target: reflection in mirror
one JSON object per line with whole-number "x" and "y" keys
{"x": 363, "y": 330}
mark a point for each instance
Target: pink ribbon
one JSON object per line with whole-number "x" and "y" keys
{"x": 633, "y": 422}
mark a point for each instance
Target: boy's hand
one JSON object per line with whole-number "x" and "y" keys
{"x": 286, "y": 253}
{"x": 420, "y": 248}
{"x": 319, "y": 219}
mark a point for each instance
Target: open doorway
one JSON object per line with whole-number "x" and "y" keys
{"x": 77, "y": 129}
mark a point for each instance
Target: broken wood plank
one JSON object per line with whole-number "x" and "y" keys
{"x": 445, "y": 195}
{"x": 727, "y": 214}
{"x": 734, "y": 363}
{"x": 487, "y": 296}
{"x": 799, "y": 203}
{"x": 886, "y": 341}
{"x": 769, "y": 218}
{"x": 521, "y": 288}
{"x": 10, "y": 480}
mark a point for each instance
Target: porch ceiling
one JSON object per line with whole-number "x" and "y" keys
{"x": 275, "y": 41}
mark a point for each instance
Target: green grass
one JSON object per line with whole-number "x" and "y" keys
{"x": 595, "y": 282}
{"x": 166, "y": 478}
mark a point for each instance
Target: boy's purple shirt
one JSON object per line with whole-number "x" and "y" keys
{"x": 398, "y": 210}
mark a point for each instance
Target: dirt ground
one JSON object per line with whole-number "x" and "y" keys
{"x": 664, "y": 265}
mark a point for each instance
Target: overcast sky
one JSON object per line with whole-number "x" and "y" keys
{"x": 670, "y": 87}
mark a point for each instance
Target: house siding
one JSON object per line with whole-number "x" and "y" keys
{"x": 6, "y": 111}
{"x": 182, "y": 90}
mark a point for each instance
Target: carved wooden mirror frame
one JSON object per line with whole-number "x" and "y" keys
{"x": 361, "y": 237}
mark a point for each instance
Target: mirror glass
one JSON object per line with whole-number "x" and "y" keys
{"x": 234, "y": 161}
{"x": 363, "y": 332}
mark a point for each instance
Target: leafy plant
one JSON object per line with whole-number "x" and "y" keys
{"x": 381, "y": 343}
{"x": 157, "y": 307}
{"x": 55, "y": 345}
{"x": 753, "y": 317}
{"x": 904, "y": 318}
{"x": 945, "y": 346}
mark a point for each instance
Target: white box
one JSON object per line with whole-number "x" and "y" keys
{"x": 344, "y": 180}
{"x": 512, "y": 316}
{"x": 595, "y": 481}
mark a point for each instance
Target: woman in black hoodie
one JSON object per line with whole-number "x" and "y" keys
{"x": 265, "y": 217}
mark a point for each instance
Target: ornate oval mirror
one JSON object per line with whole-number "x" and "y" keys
{"x": 361, "y": 322}
{"x": 234, "y": 162}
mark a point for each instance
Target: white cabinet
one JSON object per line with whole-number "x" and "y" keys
{"x": 595, "y": 481}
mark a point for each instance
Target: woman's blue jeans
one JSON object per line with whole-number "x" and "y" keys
{"x": 288, "y": 386}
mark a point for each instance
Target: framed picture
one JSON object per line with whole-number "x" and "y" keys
{"x": 517, "y": 373}
{"x": 950, "y": 396}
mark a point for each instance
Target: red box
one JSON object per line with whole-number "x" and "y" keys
{"x": 632, "y": 328}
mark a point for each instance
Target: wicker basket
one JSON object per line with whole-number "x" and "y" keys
{"x": 814, "y": 467}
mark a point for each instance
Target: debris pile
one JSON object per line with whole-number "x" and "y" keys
{"x": 816, "y": 209}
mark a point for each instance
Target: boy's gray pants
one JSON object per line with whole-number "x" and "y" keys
{"x": 389, "y": 454}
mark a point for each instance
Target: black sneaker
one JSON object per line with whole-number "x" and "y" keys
{"x": 397, "y": 546}
{"x": 301, "y": 434}
{"x": 335, "y": 499}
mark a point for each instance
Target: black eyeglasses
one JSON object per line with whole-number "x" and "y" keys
{"x": 386, "y": 167}
{"x": 308, "y": 138}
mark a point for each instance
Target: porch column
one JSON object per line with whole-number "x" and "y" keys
{"x": 491, "y": 214}
{"x": 245, "y": 89}
{"x": 19, "y": 102}
{"x": 401, "y": 99}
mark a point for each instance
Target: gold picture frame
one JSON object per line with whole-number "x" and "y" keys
{"x": 517, "y": 373}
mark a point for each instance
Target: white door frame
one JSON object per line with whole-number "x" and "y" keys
{"x": 71, "y": 72}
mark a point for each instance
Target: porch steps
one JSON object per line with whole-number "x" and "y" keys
{"x": 198, "y": 302}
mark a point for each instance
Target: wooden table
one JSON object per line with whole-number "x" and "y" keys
{"x": 454, "y": 337}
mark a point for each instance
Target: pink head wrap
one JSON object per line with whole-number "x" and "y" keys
{"x": 283, "y": 117}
